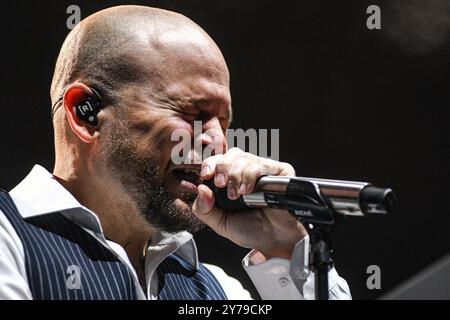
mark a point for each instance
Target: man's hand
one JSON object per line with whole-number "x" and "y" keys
{"x": 272, "y": 232}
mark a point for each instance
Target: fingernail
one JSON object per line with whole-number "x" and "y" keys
{"x": 220, "y": 180}
{"x": 200, "y": 203}
{"x": 243, "y": 188}
{"x": 205, "y": 171}
{"x": 231, "y": 193}
{"x": 206, "y": 138}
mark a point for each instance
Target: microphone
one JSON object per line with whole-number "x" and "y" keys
{"x": 311, "y": 200}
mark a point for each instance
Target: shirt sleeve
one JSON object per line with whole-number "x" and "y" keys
{"x": 232, "y": 287}
{"x": 13, "y": 278}
{"x": 283, "y": 279}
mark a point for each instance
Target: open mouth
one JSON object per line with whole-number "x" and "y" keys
{"x": 191, "y": 175}
{"x": 183, "y": 181}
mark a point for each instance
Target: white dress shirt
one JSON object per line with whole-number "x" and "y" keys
{"x": 39, "y": 194}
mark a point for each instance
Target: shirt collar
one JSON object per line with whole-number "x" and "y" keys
{"x": 40, "y": 193}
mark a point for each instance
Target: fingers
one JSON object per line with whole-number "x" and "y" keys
{"x": 286, "y": 169}
{"x": 273, "y": 232}
{"x": 249, "y": 176}
{"x": 218, "y": 166}
{"x": 227, "y": 170}
{"x": 235, "y": 172}
{"x": 239, "y": 171}
{"x": 208, "y": 167}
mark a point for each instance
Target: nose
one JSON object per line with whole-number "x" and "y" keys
{"x": 213, "y": 136}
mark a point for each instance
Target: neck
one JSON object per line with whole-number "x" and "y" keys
{"x": 120, "y": 218}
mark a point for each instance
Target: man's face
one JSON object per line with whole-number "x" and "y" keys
{"x": 137, "y": 149}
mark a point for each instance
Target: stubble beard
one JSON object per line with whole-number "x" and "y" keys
{"x": 139, "y": 176}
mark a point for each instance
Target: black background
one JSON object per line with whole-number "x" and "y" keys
{"x": 350, "y": 103}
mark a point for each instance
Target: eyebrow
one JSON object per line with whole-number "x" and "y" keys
{"x": 172, "y": 103}
{"x": 228, "y": 110}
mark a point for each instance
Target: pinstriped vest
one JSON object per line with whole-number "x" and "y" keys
{"x": 64, "y": 262}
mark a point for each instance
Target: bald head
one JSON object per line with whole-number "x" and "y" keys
{"x": 123, "y": 46}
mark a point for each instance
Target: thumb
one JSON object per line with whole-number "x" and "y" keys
{"x": 204, "y": 209}
{"x": 204, "y": 202}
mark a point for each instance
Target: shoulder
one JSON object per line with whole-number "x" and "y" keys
{"x": 10, "y": 243}
{"x": 13, "y": 277}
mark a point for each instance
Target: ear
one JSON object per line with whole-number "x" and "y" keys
{"x": 73, "y": 96}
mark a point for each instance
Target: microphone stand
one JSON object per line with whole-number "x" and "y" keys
{"x": 320, "y": 261}
{"x": 315, "y": 203}
{"x": 318, "y": 217}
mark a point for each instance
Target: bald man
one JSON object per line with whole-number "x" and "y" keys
{"x": 115, "y": 218}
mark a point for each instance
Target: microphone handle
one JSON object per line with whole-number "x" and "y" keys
{"x": 222, "y": 201}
